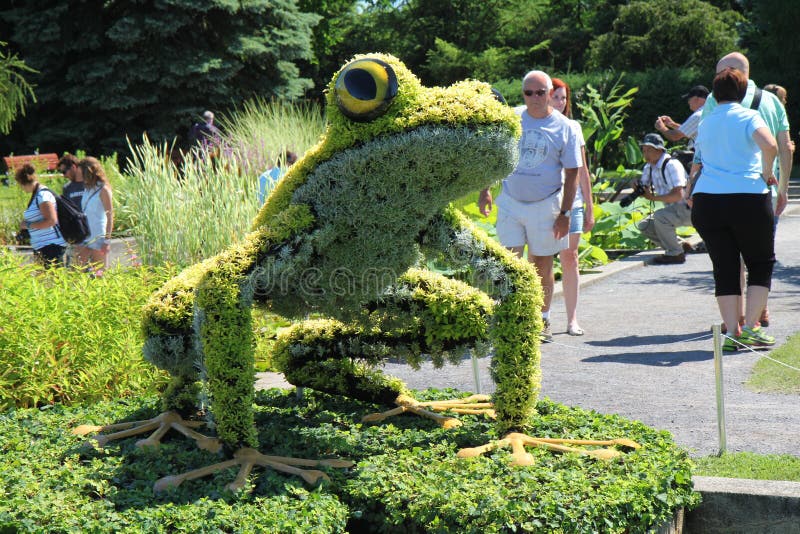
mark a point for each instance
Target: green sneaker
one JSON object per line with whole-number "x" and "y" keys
{"x": 755, "y": 337}
{"x": 730, "y": 345}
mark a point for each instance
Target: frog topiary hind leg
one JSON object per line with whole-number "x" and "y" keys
{"x": 423, "y": 313}
{"x": 170, "y": 344}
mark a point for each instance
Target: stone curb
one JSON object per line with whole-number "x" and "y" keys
{"x": 739, "y": 506}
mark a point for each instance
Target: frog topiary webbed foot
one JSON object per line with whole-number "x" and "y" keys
{"x": 160, "y": 424}
{"x": 473, "y": 405}
{"x": 522, "y": 457}
{"x": 247, "y": 458}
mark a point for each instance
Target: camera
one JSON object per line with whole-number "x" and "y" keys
{"x": 23, "y": 237}
{"x": 638, "y": 190}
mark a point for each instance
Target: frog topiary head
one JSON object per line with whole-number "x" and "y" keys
{"x": 465, "y": 138}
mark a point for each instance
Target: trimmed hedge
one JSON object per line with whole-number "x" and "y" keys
{"x": 407, "y": 477}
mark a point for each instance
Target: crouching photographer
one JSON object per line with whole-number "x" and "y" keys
{"x": 664, "y": 180}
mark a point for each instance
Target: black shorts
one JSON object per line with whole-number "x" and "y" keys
{"x": 50, "y": 255}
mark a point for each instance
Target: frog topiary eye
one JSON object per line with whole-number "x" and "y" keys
{"x": 365, "y": 88}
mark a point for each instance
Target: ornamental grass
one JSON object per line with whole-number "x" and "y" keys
{"x": 183, "y": 213}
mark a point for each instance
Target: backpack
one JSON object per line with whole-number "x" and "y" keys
{"x": 685, "y": 157}
{"x": 72, "y": 222}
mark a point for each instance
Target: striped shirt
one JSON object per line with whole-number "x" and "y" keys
{"x": 689, "y": 126}
{"x": 45, "y": 236}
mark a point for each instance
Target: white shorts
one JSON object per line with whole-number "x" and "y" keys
{"x": 530, "y": 223}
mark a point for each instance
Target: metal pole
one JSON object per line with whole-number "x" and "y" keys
{"x": 475, "y": 371}
{"x": 717, "y": 331}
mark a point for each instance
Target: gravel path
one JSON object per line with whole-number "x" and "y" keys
{"x": 648, "y": 354}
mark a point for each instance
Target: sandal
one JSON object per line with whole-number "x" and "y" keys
{"x": 575, "y": 330}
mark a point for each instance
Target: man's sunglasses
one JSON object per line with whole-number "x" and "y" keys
{"x": 538, "y": 92}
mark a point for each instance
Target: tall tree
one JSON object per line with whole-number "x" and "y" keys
{"x": 771, "y": 37}
{"x": 336, "y": 19}
{"x": 14, "y": 89}
{"x": 665, "y": 33}
{"x": 446, "y": 41}
{"x": 111, "y": 68}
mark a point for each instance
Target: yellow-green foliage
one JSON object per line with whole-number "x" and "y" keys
{"x": 168, "y": 324}
{"x": 423, "y": 313}
{"x": 68, "y": 338}
{"x": 322, "y": 353}
{"x": 447, "y": 309}
{"x": 339, "y": 235}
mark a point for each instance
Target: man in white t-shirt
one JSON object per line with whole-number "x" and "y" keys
{"x": 664, "y": 179}
{"x": 532, "y": 209}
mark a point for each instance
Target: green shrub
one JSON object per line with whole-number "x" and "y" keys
{"x": 66, "y": 337}
{"x": 407, "y": 478}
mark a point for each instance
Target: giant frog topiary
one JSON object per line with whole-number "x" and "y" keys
{"x": 344, "y": 235}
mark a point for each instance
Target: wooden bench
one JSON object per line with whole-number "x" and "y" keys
{"x": 47, "y": 162}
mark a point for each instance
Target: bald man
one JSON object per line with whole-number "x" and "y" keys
{"x": 534, "y": 206}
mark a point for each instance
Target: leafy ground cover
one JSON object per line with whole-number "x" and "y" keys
{"x": 406, "y": 479}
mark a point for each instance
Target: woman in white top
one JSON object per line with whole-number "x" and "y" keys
{"x": 96, "y": 204}
{"x": 41, "y": 219}
{"x": 581, "y": 216}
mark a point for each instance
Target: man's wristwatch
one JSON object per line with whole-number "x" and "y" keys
{"x": 564, "y": 212}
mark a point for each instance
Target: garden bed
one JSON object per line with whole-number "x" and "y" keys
{"x": 407, "y": 477}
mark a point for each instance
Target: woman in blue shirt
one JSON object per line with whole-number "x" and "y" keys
{"x": 732, "y": 207}
{"x": 41, "y": 219}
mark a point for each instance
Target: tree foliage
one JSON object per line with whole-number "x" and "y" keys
{"x": 447, "y": 41}
{"x": 770, "y": 34}
{"x": 123, "y": 67}
{"x": 659, "y": 33}
{"x": 14, "y": 89}
{"x": 337, "y": 17}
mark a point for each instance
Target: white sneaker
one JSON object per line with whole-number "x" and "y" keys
{"x": 546, "y": 336}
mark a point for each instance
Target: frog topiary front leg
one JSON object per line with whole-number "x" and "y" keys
{"x": 170, "y": 344}
{"x": 515, "y": 335}
{"x": 516, "y": 322}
